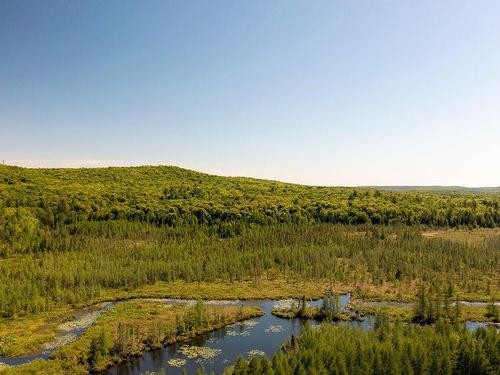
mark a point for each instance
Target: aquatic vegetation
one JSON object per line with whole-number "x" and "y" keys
{"x": 249, "y": 323}
{"x": 274, "y": 329}
{"x": 132, "y": 327}
{"x": 232, "y": 332}
{"x": 69, "y": 238}
{"x": 292, "y": 308}
{"x": 112, "y": 273}
{"x": 70, "y": 330}
{"x": 284, "y": 313}
{"x": 176, "y": 362}
{"x": 245, "y": 325}
{"x": 221, "y": 302}
{"x": 253, "y": 352}
{"x": 286, "y": 304}
{"x": 332, "y": 309}
{"x": 202, "y": 352}
{"x": 307, "y": 313}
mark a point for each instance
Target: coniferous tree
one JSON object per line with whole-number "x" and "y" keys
{"x": 99, "y": 349}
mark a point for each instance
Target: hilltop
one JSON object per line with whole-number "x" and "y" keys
{"x": 168, "y": 195}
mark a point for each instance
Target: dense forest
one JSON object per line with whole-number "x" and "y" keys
{"x": 85, "y": 260}
{"x": 391, "y": 349}
{"x": 36, "y": 200}
{"x": 68, "y": 234}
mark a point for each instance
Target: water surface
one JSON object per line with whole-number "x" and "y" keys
{"x": 264, "y": 334}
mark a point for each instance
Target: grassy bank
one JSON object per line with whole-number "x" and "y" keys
{"x": 406, "y": 314}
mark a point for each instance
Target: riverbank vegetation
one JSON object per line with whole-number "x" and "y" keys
{"x": 389, "y": 349}
{"x": 466, "y": 313}
{"x": 331, "y": 310}
{"x": 432, "y": 304}
{"x": 130, "y": 328}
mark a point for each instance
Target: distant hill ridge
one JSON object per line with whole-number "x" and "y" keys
{"x": 480, "y": 189}
{"x": 168, "y": 195}
{"x": 401, "y": 188}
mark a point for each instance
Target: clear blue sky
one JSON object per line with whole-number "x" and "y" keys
{"x": 322, "y": 92}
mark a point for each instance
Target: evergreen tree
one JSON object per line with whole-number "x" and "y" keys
{"x": 240, "y": 366}
{"x": 99, "y": 349}
{"x": 254, "y": 367}
{"x": 267, "y": 368}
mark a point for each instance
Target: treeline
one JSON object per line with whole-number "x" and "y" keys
{"x": 434, "y": 305}
{"x": 128, "y": 340}
{"x": 77, "y": 266}
{"x": 391, "y": 349}
{"x": 36, "y": 200}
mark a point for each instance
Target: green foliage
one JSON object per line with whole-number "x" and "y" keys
{"x": 78, "y": 265}
{"x": 19, "y": 230}
{"x": 195, "y": 319}
{"x": 433, "y": 305}
{"x": 175, "y": 197}
{"x": 132, "y": 327}
{"x": 330, "y": 310}
{"x": 99, "y": 349}
{"x": 492, "y": 311}
{"x": 128, "y": 340}
{"x": 331, "y": 307}
{"x": 66, "y": 235}
{"x": 391, "y": 349}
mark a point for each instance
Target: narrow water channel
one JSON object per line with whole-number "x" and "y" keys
{"x": 66, "y": 333}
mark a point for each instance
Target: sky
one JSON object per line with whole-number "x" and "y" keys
{"x": 322, "y": 92}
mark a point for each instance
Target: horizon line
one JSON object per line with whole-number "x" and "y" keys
{"x": 95, "y": 164}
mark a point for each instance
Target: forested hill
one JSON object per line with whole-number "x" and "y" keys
{"x": 166, "y": 195}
